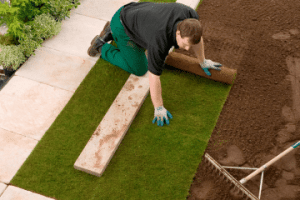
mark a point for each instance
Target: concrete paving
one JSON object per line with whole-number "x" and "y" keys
{"x": 14, "y": 149}
{"x": 2, "y": 188}
{"x": 3, "y": 29}
{"x": 76, "y": 35}
{"x": 39, "y": 90}
{"x": 94, "y": 9}
{"x": 29, "y": 107}
{"x": 16, "y": 193}
{"x": 64, "y": 71}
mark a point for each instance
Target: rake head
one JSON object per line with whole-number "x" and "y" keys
{"x": 238, "y": 187}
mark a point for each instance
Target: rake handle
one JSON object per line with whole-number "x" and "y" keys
{"x": 262, "y": 168}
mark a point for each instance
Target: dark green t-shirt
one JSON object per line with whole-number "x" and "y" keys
{"x": 153, "y": 26}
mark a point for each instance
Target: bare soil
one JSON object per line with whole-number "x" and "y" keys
{"x": 261, "y": 116}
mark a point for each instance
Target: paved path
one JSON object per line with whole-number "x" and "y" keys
{"x": 39, "y": 90}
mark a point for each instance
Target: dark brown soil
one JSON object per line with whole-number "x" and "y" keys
{"x": 261, "y": 116}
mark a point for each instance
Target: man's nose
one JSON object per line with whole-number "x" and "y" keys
{"x": 187, "y": 48}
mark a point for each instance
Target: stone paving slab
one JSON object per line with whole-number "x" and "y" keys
{"x": 15, "y": 193}
{"x": 92, "y": 8}
{"x": 192, "y": 3}
{"x": 50, "y": 66}
{"x": 29, "y": 108}
{"x": 3, "y": 30}
{"x": 2, "y": 188}
{"x": 76, "y": 36}
{"x": 14, "y": 150}
{"x": 106, "y": 139}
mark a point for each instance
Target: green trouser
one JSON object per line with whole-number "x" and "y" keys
{"x": 127, "y": 55}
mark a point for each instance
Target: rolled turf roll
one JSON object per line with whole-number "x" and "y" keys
{"x": 191, "y": 64}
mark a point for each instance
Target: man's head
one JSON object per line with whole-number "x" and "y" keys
{"x": 188, "y": 33}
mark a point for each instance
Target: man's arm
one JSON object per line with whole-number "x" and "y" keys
{"x": 199, "y": 50}
{"x": 204, "y": 63}
{"x": 155, "y": 90}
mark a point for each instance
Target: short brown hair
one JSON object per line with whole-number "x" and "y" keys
{"x": 190, "y": 28}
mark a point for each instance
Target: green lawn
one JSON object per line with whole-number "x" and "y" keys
{"x": 151, "y": 163}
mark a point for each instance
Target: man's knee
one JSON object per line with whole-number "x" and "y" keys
{"x": 140, "y": 73}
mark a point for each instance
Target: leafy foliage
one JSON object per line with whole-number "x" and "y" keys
{"x": 11, "y": 56}
{"x": 60, "y": 9}
{"x": 44, "y": 26}
{"x": 22, "y": 12}
{"x": 6, "y": 40}
{"x": 29, "y": 22}
{"x": 28, "y": 43}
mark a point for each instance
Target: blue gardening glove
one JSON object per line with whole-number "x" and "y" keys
{"x": 208, "y": 64}
{"x": 161, "y": 115}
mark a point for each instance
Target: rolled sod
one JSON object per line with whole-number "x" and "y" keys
{"x": 190, "y": 64}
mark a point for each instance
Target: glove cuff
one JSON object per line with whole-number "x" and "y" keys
{"x": 159, "y": 108}
{"x": 203, "y": 63}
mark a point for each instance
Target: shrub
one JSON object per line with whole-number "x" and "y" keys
{"x": 6, "y": 39}
{"x": 44, "y": 26}
{"x": 21, "y": 12}
{"x": 11, "y": 57}
{"x": 60, "y": 9}
{"x": 28, "y": 45}
{"x": 29, "y": 22}
{"x": 17, "y": 14}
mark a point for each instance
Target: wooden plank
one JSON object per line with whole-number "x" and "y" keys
{"x": 105, "y": 140}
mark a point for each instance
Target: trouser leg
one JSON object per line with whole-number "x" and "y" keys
{"x": 127, "y": 55}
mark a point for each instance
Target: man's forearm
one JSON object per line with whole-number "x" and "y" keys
{"x": 199, "y": 51}
{"x": 155, "y": 90}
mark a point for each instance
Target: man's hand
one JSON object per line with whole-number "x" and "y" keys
{"x": 208, "y": 64}
{"x": 161, "y": 115}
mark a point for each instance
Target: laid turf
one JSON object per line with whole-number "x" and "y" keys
{"x": 151, "y": 163}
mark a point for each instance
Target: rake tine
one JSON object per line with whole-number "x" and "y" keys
{"x": 238, "y": 187}
{"x": 242, "y": 192}
{"x": 224, "y": 177}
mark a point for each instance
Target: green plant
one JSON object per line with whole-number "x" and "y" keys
{"x": 43, "y": 26}
{"x": 11, "y": 57}
{"x": 21, "y": 12}
{"x": 28, "y": 43}
{"x": 29, "y": 22}
{"x": 16, "y": 15}
{"x": 60, "y": 9}
{"x": 6, "y": 39}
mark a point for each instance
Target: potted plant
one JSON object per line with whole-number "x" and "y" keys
{"x": 11, "y": 57}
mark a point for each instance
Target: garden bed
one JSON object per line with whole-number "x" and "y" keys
{"x": 260, "y": 118}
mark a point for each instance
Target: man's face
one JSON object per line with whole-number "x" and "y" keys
{"x": 183, "y": 43}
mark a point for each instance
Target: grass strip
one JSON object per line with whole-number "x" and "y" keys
{"x": 151, "y": 163}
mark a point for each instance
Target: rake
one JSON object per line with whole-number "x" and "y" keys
{"x": 239, "y": 184}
